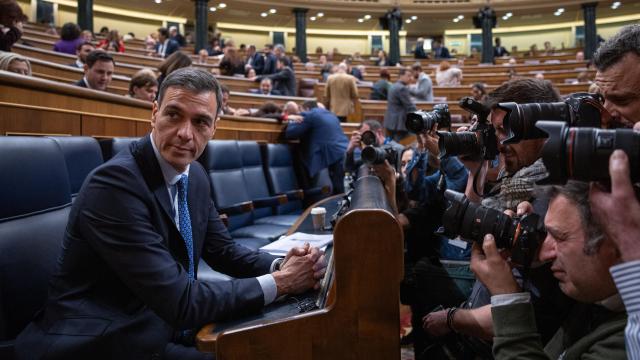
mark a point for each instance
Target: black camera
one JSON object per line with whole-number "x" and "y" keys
{"x": 419, "y": 121}
{"x": 578, "y": 109}
{"x": 373, "y": 155}
{"x": 369, "y": 138}
{"x": 470, "y": 221}
{"x": 479, "y": 142}
{"x": 583, "y": 153}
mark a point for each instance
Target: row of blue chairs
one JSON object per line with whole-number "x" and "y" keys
{"x": 255, "y": 185}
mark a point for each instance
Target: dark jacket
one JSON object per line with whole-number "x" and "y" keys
{"x": 172, "y": 46}
{"x": 121, "y": 286}
{"x": 499, "y": 51}
{"x": 399, "y": 103}
{"x": 321, "y": 138}
{"x": 380, "y": 90}
{"x": 269, "y": 64}
{"x": 257, "y": 63}
{"x": 81, "y": 83}
{"x": 229, "y": 68}
{"x": 419, "y": 53}
{"x": 284, "y": 81}
{"x": 441, "y": 53}
{"x": 9, "y": 38}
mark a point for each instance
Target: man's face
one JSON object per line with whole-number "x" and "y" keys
{"x": 620, "y": 86}
{"x": 278, "y": 52}
{"x": 83, "y": 52}
{"x": 225, "y": 99}
{"x": 146, "y": 93}
{"x": 517, "y": 155}
{"x": 582, "y": 277}
{"x": 406, "y": 78}
{"x": 18, "y": 67}
{"x": 99, "y": 75}
{"x": 183, "y": 124}
{"x": 406, "y": 158}
{"x": 476, "y": 93}
{"x": 265, "y": 87}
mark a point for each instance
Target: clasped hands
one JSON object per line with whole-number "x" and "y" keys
{"x": 301, "y": 270}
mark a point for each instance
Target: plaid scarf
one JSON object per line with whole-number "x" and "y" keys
{"x": 512, "y": 190}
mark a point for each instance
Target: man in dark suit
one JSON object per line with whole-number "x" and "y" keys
{"x": 270, "y": 59}
{"x": 82, "y": 50}
{"x": 439, "y": 51}
{"x": 126, "y": 285}
{"x": 322, "y": 139}
{"x": 399, "y": 103}
{"x": 165, "y": 46}
{"x": 254, "y": 60}
{"x": 98, "y": 70}
{"x": 418, "y": 52}
{"x": 499, "y": 50}
{"x": 284, "y": 81}
{"x": 175, "y": 35}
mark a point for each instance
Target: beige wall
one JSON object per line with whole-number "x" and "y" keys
{"x": 523, "y": 40}
{"x": 140, "y": 27}
{"x": 257, "y": 38}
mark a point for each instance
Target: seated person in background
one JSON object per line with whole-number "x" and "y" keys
{"x": 381, "y": 87}
{"x": 478, "y": 92}
{"x": 112, "y": 42}
{"x": 357, "y": 56}
{"x": 269, "y": 110}
{"x": 231, "y": 63}
{"x": 225, "y": 109}
{"x": 581, "y": 255}
{"x": 266, "y": 88}
{"x": 382, "y": 58}
{"x": 447, "y": 75}
{"x": 309, "y": 66}
{"x": 423, "y": 88}
{"x": 86, "y": 35}
{"x": 351, "y": 70}
{"x": 176, "y": 36}
{"x": 69, "y": 39}
{"x": 14, "y": 63}
{"x": 439, "y": 51}
{"x": 419, "y": 52}
{"x": 580, "y": 56}
{"x": 143, "y": 85}
{"x": 165, "y": 45}
{"x": 322, "y": 140}
{"x": 251, "y": 73}
{"x": 341, "y": 93}
{"x": 11, "y": 19}
{"x": 175, "y": 61}
{"x": 284, "y": 81}
{"x": 81, "y": 52}
{"x": 203, "y": 56}
{"x": 126, "y": 285}
{"x": 353, "y": 158}
{"x": 499, "y": 50}
{"x": 98, "y": 71}
{"x": 548, "y": 49}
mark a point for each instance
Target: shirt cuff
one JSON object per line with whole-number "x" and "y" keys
{"x": 269, "y": 288}
{"x": 509, "y": 299}
{"x": 627, "y": 279}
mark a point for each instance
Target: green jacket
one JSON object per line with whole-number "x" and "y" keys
{"x": 591, "y": 332}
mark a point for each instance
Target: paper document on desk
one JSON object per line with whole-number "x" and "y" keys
{"x": 284, "y": 244}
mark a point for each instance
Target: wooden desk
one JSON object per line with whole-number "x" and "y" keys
{"x": 361, "y": 318}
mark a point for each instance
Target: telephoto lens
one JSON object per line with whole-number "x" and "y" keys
{"x": 372, "y": 155}
{"x": 419, "y": 121}
{"x": 573, "y": 153}
{"x": 368, "y": 138}
{"x": 463, "y": 143}
{"x": 579, "y": 109}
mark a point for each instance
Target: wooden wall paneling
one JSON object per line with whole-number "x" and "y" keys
{"x": 15, "y": 120}
{"x": 101, "y": 126}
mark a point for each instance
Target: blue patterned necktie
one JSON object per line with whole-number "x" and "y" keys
{"x": 185, "y": 221}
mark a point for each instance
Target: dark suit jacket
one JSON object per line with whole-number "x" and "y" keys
{"x": 398, "y": 105}
{"x": 257, "y": 63}
{"x": 172, "y": 46}
{"x": 284, "y": 81}
{"x": 121, "y": 288}
{"x": 441, "y": 53}
{"x": 75, "y": 65}
{"x": 321, "y": 137}
{"x": 419, "y": 53}
{"x": 81, "y": 83}
{"x": 269, "y": 64}
{"x": 499, "y": 51}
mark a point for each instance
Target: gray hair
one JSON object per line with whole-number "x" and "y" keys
{"x": 578, "y": 193}
{"x": 280, "y": 47}
{"x": 192, "y": 79}
{"x": 7, "y": 57}
{"x": 627, "y": 40}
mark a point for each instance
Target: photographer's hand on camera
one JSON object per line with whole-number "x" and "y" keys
{"x": 618, "y": 211}
{"x": 492, "y": 269}
{"x": 354, "y": 142}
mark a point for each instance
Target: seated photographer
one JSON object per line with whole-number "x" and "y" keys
{"x": 581, "y": 254}
{"x": 353, "y": 159}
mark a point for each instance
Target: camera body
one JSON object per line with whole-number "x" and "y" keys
{"x": 374, "y": 155}
{"x": 368, "y": 138}
{"x": 479, "y": 142}
{"x": 578, "y": 109}
{"x": 420, "y": 121}
{"x": 521, "y": 235}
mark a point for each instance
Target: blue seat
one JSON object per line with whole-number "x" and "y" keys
{"x": 36, "y": 200}
{"x": 259, "y": 189}
{"x": 282, "y": 179}
{"x": 223, "y": 161}
{"x": 82, "y": 154}
{"x": 110, "y": 147}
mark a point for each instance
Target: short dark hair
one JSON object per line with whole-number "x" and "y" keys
{"x": 11, "y": 12}
{"x": 416, "y": 67}
{"x": 480, "y": 86}
{"x": 173, "y": 62}
{"x": 284, "y": 61}
{"x": 142, "y": 79}
{"x": 98, "y": 55}
{"x": 627, "y": 40}
{"x": 310, "y": 104}
{"x": 269, "y": 46}
{"x": 384, "y": 73}
{"x": 194, "y": 80}
{"x": 70, "y": 31}
{"x": 402, "y": 71}
{"x": 523, "y": 91}
{"x": 164, "y": 32}
{"x": 80, "y": 45}
{"x": 578, "y": 193}
{"x": 374, "y": 125}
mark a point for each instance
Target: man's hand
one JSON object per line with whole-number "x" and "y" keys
{"x": 354, "y": 142}
{"x": 295, "y": 118}
{"x": 491, "y": 269}
{"x": 618, "y": 211}
{"x": 431, "y": 143}
{"x": 435, "y": 323}
{"x": 297, "y": 273}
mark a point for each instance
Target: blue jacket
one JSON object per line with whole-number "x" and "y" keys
{"x": 321, "y": 137}
{"x": 425, "y": 188}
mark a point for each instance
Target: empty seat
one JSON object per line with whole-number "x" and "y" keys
{"x": 82, "y": 154}
{"x": 259, "y": 189}
{"x": 36, "y": 200}
{"x": 110, "y": 147}
{"x": 223, "y": 161}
